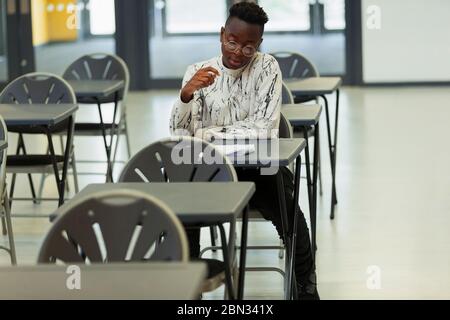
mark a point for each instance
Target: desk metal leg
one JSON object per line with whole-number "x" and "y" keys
{"x": 314, "y": 191}
{"x": 227, "y": 262}
{"x": 21, "y": 144}
{"x": 308, "y": 171}
{"x": 298, "y": 165}
{"x": 243, "y": 254}
{"x": 109, "y": 177}
{"x": 312, "y": 184}
{"x": 332, "y": 148}
{"x": 287, "y": 239}
{"x": 61, "y": 182}
{"x": 336, "y": 120}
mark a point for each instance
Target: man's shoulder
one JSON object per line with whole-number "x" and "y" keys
{"x": 265, "y": 58}
{"x": 266, "y": 64}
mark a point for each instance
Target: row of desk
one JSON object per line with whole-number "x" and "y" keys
{"x": 48, "y": 116}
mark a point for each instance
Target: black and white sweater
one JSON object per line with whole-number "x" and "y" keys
{"x": 243, "y": 103}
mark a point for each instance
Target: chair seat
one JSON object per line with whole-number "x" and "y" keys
{"x": 31, "y": 160}
{"x": 298, "y": 132}
{"x": 102, "y": 100}
{"x": 303, "y": 99}
{"x": 59, "y": 128}
{"x": 93, "y": 128}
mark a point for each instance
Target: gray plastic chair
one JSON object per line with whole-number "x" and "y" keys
{"x": 37, "y": 88}
{"x": 155, "y": 163}
{"x": 293, "y": 65}
{"x": 286, "y": 95}
{"x": 115, "y": 226}
{"x": 296, "y": 66}
{"x": 5, "y": 212}
{"x": 102, "y": 66}
{"x": 285, "y": 128}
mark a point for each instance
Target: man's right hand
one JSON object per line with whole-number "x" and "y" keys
{"x": 202, "y": 78}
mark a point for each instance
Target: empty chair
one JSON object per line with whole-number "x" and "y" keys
{"x": 37, "y": 88}
{"x": 5, "y": 212}
{"x": 161, "y": 162}
{"x": 115, "y": 226}
{"x": 102, "y": 66}
{"x": 155, "y": 163}
{"x": 293, "y": 65}
{"x": 285, "y": 128}
{"x": 296, "y": 66}
{"x": 286, "y": 95}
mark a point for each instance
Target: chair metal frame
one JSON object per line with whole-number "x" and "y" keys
{"x": 5, "y": 210}
{"x": 56, "y": 165}
{"x": 117, "y": 129}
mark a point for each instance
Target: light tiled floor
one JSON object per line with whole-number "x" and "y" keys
{"x": 393, "y": 189}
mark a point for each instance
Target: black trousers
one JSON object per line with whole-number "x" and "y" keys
{"x": 265, "y": 200}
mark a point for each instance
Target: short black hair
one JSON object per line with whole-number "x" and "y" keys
{"x": 249, "y": 12}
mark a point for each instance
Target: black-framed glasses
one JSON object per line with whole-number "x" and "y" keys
{"x": 248, "y": 50}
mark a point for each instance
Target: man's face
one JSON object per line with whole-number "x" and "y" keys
{"x": 245, "y": 36}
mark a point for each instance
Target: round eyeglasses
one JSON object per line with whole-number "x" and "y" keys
{"x": 233, "y": 46}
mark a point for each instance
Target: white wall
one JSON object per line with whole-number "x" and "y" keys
{"x": 412, "y": 43}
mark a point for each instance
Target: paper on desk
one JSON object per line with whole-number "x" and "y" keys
{"x": 236, "y": 149}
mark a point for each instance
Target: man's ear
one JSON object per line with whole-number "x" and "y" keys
{"x": 260, "y": 42}
{"x": 222, "y": 32}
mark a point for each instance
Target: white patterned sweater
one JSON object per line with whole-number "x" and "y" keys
{"x": 243, "y": 103}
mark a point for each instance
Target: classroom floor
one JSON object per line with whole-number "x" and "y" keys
{"x": 393, "y": 185}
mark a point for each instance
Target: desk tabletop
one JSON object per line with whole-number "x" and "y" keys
{"x": 36, "y": 114}
{"x": 314, "y": 86}
{"x": 192, "y": 202}
{"x": 95, "y": 88}
{"x": 134, "y": 281}
{"x": 302, "y": 114}
{"x": 268, "y": 153}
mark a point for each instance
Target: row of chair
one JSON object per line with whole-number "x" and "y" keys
{"x": 44, "y": 88}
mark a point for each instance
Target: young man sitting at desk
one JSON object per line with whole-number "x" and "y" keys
{"x": 238, "y": 95}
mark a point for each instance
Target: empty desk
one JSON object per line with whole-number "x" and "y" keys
{"x": 46, "y": 117}
{"x": 197, "y": 203}
{"x": 93, "y": 91}
{"x": 270, "y": 155}
{"x": 305, "y": 117}
{"x": 143, "y": 281}
{"x": 320, "y": 87}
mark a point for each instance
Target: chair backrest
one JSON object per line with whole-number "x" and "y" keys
{"x": 3, "y": 155}
{"x": 115, "y": 226}
{"x": 38, "y": 88}
{"x": 285, "y": 130}
{"x": 179, "y": 159}
{"x": 295, "y": 66}
{"x": 286, "y": 95}
{"x": 100, "y": 66}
